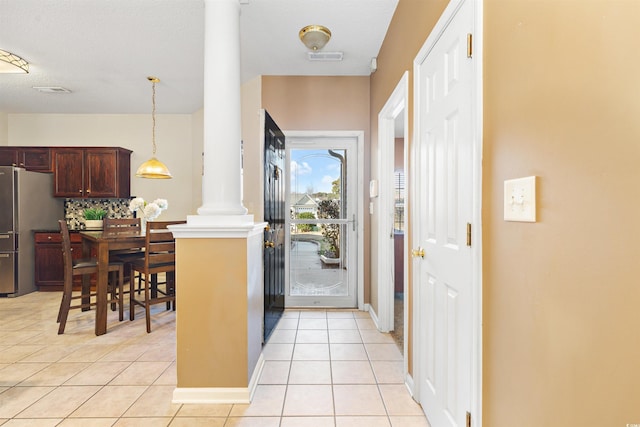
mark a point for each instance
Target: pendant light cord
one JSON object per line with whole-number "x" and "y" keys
{"x": 153, "y": 116}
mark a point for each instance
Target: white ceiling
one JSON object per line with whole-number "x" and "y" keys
{"x": 103, "y": 50}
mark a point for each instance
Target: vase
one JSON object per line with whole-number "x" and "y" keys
{"x": 93, "y": 224}
{"x": 143, "y": 224}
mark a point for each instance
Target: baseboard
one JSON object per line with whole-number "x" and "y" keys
{"x": 220, "y": 394}
{"x": 367, "y": 307}
{"x": 408, "y": 382}
{"x": 374, "y": 317}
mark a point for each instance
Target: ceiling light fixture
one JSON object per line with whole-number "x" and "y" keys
{"x": 153, "y": 168}
{"x": 10, "y": 63}
{"x": 314, "y": 37}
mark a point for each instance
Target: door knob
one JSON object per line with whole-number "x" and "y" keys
{"x": 418, "y": 252}
{"x": 268, "y": 244}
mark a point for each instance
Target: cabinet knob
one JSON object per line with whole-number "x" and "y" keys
{"x": 88, "y": 191}
{"x": 80, "y": 191}
{"x": 49, "y": 237}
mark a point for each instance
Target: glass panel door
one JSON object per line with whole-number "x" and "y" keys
{"x": 321, "y": 229}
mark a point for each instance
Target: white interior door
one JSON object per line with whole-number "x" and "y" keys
{"x": 443, "y": 179}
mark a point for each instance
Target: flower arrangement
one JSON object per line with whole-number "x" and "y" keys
{"x": 148, "y": 211}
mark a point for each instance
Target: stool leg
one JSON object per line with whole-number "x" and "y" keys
{"x": 121, "y": 292}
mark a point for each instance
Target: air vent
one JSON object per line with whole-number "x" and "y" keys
{"x": 51, "y": 89}
{"x": 325, "y": 56}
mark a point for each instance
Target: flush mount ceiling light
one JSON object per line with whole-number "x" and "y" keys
{"x": 153, "y": 168}
{"x": 314, "y": 37}
{"x": 10, "y": 63}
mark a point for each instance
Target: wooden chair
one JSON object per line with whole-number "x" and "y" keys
{"x": 159, "y": 257}
{"x": 82, "y": 266}
{"x": 120, "y": 226}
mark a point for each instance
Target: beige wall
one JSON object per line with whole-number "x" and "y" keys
{"x": 4, "y": 129}
{"x": 562, "y": 296}
{"x": 205, "y": 362}
{"x": 197, "y": 130}
{"x": 323, "y": 103}
{"x": 253, "y": 149}
{"x": 408, "y": 31}
{"x": 173, "y": 139}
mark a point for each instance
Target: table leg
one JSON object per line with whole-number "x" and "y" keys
{"x": 101, "y": 288}
{"x": 86, "y": 279}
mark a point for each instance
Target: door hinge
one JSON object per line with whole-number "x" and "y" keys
{"x": 468, "y": 424}
{"x": 469, "y": 45}
{"x": 468, "y": 234}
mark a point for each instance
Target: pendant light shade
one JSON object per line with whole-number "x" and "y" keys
{"x": 153, "y": 168}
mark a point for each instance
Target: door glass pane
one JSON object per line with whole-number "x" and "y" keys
{"x": 313, "y": 273}
{"x": 318, "y": 231}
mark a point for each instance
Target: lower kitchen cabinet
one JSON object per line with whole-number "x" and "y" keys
{"x": 49, "y": 274}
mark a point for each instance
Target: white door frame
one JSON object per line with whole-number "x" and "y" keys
{"x": 359, "y": 135}
{"x": 397, "y": 104}
{"x": 476, "y": 237}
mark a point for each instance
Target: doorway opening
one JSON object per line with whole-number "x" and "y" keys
{"x": 392, "y": 247}
{"x": 324, "y": 219}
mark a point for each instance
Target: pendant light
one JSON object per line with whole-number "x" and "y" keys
{"x": 153, "y": 168}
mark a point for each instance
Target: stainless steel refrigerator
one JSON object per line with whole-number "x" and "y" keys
{"x": 26, "y": 204}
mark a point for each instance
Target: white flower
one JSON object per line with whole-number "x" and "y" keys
{"x": 148, "y": 211}
{"x": 151, "y": 211}
{"x": 162, "y": 203}
{"x": 137, "y": 203}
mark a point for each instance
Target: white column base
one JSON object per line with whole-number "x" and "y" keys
{"x": 211, "y": 395}
{"x": 220, "y": 226}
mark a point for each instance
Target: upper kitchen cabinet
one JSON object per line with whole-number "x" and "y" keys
{"x": 31, "y": 158}
{"x": 92, "y": 172}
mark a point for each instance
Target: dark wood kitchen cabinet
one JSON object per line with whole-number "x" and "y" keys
{"x": 31, "y": 158}
{"x": 49, "y": 269}
{"x": 102, "y": 172}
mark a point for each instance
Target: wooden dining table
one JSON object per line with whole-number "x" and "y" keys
{"x": 101, "y": 243}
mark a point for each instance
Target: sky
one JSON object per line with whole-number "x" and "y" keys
{"x": 313, "y": 171}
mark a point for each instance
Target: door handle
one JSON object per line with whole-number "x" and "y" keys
{"x": 418, "y": 252}
{"x": 268, "y": 244}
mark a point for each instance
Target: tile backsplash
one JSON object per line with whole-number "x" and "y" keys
{"x": 74, "y": 208}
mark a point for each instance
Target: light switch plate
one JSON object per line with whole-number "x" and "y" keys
{"x": 520, "y": 199}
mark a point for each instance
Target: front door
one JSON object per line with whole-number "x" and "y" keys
{"x": 321, "y": 231}
{"x": 443, "y": 211}
{"x": 274, "y": 215}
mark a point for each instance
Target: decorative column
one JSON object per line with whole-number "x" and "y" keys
{"x": 219, "y": 285}
{"x": 222, "y": 186}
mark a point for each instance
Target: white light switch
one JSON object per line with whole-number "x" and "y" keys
{"x": 520, "y": 199}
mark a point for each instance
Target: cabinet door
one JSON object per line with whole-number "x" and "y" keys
{"x": 69, "y": 173}
{"x": 49, "y": 267}
{"x": 8, "y": 156}
{"x": 101, "y": 173}
{"x": 35, "y": 159}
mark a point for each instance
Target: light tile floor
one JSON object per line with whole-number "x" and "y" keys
{"x": 322, "y": 368}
